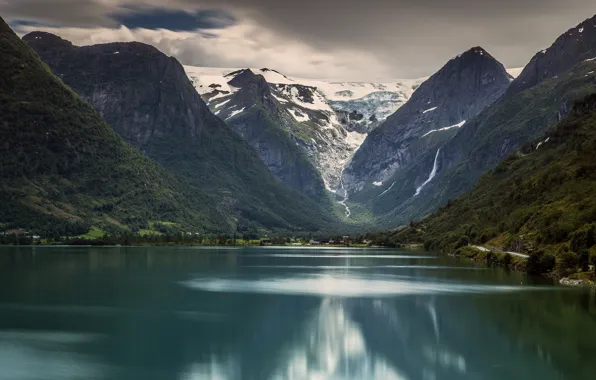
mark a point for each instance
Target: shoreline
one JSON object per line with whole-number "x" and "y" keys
{"x": 517, "y": 263}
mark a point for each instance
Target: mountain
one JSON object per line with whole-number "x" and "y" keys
{"x": 303, "y": 129}
{"x": 483, "y": 141}
{"x": 147, "y": 98}
{"x": 572, "y": 47}
{"x": 63, "y": 169}
{"x": 457, "y": 92}
{"x": 251, "y": 110}
{"x": 541, "y": 199}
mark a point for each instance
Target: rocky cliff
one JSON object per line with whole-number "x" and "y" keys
{"x": 572, "y": 47}
{"x": 457, "y": 92}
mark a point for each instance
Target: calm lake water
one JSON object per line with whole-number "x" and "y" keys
{"x": 272, "y": 313}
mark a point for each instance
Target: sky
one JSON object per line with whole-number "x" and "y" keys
{"x": 356, "y": 40}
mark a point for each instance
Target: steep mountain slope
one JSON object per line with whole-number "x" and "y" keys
{"x": 326, "y": 121}
{"x": 484, "y": 141}
{"x": 147, "y": 98}
{"x": 63, "y": 169}
{"x": 457, "y": 92}
{"x": 540, "y": 199}
{"x": 252, "y": 110}
{"x": 572, "y": 47}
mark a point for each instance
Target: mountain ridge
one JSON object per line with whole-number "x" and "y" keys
{"x": 147, "y": 98}
{"x": 458, "y": 91}
{"x": 64, "y": 169}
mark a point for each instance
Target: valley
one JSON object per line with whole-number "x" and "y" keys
{"x": 265, "y": 190}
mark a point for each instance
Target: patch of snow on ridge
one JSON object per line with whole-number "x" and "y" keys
{"x": 299, "y": 116}
{"x": 377, "y": 183}
{"x": 272, "y": 76}
{"x": 430, "y": 109}
{"x": 542, "y": 142}
{"x": 355, "y": 139}
{"x": 386, "y": 191}
{"x": 203, "y": 77}
{"x": 590, "y": 59}
{"x": 458, "y": 125}
{"x": 281, "y": 100}
{"x": 222, "y": 103}
{"x": 234, "y": 113}
{"x": 318, "y": 104}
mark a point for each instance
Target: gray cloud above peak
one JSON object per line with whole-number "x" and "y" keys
{"x": 403, "y": 38}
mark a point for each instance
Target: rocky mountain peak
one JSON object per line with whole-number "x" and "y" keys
{"x": 572, "y": 47}
{"x": 460, "y": 90}
{"x": 247, "y": 79}
{"x": 46, "y": 39}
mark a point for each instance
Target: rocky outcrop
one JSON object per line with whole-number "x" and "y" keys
{"x": 572, "y": 47}
{"x": 253, "y": 112}
{"x": 290, "y": 125}
{"x": 456, "y": 93}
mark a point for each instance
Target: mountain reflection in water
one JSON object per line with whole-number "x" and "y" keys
{"x": 263, "y": 314}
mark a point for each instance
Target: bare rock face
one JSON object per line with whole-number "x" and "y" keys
{"x": 254, "y": 113}
{"x": 139, "y": 91}
{"x": 572, "y": 47}
{"x": 456, "y": 93}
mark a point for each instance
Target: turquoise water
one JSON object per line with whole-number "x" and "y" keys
{"x": 281, "y": 313}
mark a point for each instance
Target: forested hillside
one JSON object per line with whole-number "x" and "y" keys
{"x": 540, "y": 200}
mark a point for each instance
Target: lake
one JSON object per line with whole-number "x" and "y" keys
{"x": 283, "y": 313}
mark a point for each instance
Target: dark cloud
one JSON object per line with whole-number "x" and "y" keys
{"x": 58, "y": 12}
{"x": 177, "y": 20}
{"x": 412, "y": 37}
{"x": 418, "y": 36}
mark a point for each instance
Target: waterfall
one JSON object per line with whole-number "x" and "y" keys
{"x": 345, "y": 195}
{"x": 432, "y": 173}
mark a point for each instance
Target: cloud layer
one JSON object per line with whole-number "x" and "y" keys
{"x": 342, "y": 39}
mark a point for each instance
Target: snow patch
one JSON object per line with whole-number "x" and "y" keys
{"x": 430, "y": 109}
{"x": 300, "y": 117}
{"x": 293, "y": 94}
{"x": 234, "y": 113}
{"x": 590, "y": 59}
{"x": 386, "y": 191}
{"x": 378, "y": 183}
{"x": 458, "y": 125}
{"x": 202, "y": 77}
{"x": 281, "y": 100}
{"x": 222, "y": 103}
{"x": 542, "y": 142}
{"x": 355, "y": 139}
{"x": 581, "y": 30}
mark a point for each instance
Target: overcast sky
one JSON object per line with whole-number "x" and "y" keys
{"x": 332, "y": 39}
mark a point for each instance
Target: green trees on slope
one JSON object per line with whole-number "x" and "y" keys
{"x": 540, "y": 200}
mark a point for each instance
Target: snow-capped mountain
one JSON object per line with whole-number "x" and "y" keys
{"x": 327, "y": 121}
{"x": 438, "y": 108}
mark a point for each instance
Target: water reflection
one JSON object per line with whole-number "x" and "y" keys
{"x": 47, "y": 355}
{"x": 343, "y": 285}
{"x": 332, "y": 345}
{"x": 184, "y": 314}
